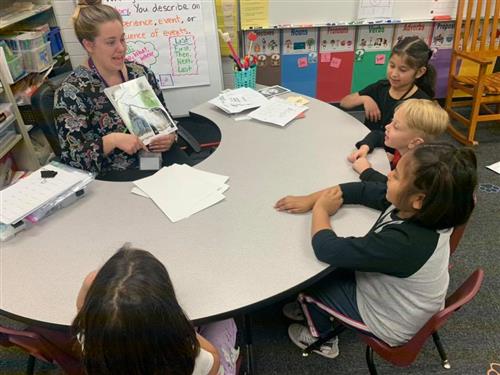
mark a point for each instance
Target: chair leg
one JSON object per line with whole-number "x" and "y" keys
{"x": 442, "y": 353}
{"x": 30, "y": 368}
{"x": 247, "y": 330}
{"x": 323, "y": 338}
{"x": 369, "y": 360}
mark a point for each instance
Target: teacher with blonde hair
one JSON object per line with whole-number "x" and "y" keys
{"x": 91, "y": 133}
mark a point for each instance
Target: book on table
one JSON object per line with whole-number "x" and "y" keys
{"x": 140, "y": 109}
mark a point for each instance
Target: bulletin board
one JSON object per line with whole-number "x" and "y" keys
{"x": 302, "y": 13}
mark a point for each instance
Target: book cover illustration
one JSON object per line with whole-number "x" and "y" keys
{"x": 140, "y": 109}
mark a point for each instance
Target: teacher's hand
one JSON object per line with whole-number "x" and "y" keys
{"x": 128, "y": 143}
{"x": 162, "y": 143}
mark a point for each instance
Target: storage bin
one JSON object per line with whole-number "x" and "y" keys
{"x": 7, "y": 134}
{"x": 37, "y": 59}
{"x": 30, "y": 40}
{"x": 12, "y": 42}
{"x": 16, "y": 66}
{"x": 56, "y": 43}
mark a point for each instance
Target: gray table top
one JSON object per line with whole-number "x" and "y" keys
{"x": 232, "y": 255}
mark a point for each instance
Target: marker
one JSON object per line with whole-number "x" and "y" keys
{"x": 226, "y": 38}
{"x": 441, "y": 18}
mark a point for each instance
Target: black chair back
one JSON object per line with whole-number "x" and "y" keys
{"x": 42, "y": 102}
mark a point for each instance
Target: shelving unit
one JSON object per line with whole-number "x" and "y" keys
{"x": 21, "y": 146}
{"x": 29, "y": 147}
{"x": 12, "y": 19}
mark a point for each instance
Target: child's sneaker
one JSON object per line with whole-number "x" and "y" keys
{"x": 293, "y": 311}
{"x": 301, "y": 337}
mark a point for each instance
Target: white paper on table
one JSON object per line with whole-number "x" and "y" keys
{"x": 135, "y": 190}
{"x": 241, "y": 118}
{"x": 209, "y": 176}
{"x": 277, "y": 111}
{"x": 206, "y": 202}
{"x": 174, "y": 189}
{"x": 495, "y": 167}
{"x": 238, "y": 100}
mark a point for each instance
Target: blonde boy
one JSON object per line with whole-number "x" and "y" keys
{"x": 415, "y": 121}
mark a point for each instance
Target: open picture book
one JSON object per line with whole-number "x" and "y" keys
{"x": 140, "y": 109}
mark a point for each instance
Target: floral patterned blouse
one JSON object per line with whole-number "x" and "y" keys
{"x": 84, "y": 114}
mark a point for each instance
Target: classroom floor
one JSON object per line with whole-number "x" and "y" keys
{"x": 471, "y": 337}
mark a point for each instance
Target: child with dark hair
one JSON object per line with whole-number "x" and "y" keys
{"x": 129, "y": 322}
{"x": 409, "y": 75}
{"x": 389, "y": 282}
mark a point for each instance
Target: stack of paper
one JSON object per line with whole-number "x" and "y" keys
{"x": 180, "y": 191}
{"x": 238, "y": 100}
{"x": 277, "y": 111}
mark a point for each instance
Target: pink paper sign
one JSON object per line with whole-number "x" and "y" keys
{"x": 380, "y": 60}
{"x": 325, "y": 57}
{"x": 302, "y": 62}
{"x": 335, "y": 63}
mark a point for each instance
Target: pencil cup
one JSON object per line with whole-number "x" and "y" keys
{"x": 245, "y": 78}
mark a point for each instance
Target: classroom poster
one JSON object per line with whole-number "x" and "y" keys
{"x": 442, "y": 46}
{"x": 227, "y": 21}
{"x": 371, "y": 55}
{"x": 167, "y": 37}
{"x": 266, "y": 49}
{"x": 254, "y": 13}
{"x": 299, "y": 60}
{"x": 421, "y": 29}
{"x": 335, "y": 62}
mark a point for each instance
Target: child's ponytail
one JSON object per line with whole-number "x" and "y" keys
{"x": 447, "y": 176}
{"x": 427, "y": 82}
{"x": 417, "y": 54}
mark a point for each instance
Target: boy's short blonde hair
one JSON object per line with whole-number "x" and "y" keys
{"x": 426, "y": 117}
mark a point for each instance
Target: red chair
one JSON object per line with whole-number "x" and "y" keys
{"x": 406, "y": 354}
{"x": 35, "y": 341}
{"x": 456, "y": 236}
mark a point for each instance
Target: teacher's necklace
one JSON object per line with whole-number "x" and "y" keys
{"x": 92, "y": 66}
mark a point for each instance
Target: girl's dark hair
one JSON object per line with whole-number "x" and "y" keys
{"x": 447, "y": 175}
{"x": 417, "y": 54}
{"x": 131, "y": 322}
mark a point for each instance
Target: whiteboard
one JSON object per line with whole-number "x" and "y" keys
{"x": 299, "y": 13}
{"x": 183, "y": 92}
